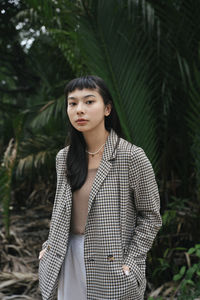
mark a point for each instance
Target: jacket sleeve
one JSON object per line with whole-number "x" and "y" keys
{"x": 45, "y": 244}
{"x": 147, "y": 204}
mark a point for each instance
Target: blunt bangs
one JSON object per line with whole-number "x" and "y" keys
{"x": 86, "y": 82}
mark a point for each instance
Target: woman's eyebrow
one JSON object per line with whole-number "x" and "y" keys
{"x": 75, "y": 98}
{"x": 87, "y": 96}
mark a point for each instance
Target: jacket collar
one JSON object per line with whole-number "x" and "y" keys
{"x": 110, "y": 149}
{"x": 110, "y": 152}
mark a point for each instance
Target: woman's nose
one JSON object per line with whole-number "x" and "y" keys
{"x": 80, "y": 108}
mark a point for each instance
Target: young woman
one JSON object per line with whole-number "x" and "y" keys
{"x": 106, "y": 210}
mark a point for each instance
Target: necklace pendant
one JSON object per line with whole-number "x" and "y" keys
{"x": 92, "y": 155}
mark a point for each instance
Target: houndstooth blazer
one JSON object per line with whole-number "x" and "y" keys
{"x": 123, "y": 220}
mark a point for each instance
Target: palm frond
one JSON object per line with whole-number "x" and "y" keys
{"x": 37, "y": 154}
{"x": 118, "y": 51}
{"x": 54, "y": 109}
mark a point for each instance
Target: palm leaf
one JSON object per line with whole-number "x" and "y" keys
{"x": 117, "y": 50}
{"x": 53, "y": 109}
{"x": 37, "y": 154}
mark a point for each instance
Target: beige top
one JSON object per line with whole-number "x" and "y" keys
{"x": 80, "y": 204}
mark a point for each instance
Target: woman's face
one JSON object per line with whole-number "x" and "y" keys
{"x": 86, "y": 110}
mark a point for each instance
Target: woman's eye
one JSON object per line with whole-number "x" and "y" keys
{"x": 89, "y": 101}
{"x": 72, "y": 103}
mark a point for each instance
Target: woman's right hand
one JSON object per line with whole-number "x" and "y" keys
{"x": 41, "y": 253}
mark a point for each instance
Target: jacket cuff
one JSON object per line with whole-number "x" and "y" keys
{"x": 44, "y": 245}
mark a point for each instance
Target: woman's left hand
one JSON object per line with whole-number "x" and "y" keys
{"x": 126, "y": 270}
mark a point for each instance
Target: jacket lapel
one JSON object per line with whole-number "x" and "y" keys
{"x": 109, "y": 153}
{"x": 68, "y": 198}
{"x": 102, "y": 172}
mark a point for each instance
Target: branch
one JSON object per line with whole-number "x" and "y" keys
{"x": 17, "y": 90}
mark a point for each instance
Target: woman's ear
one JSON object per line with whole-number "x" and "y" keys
{"x": 108, "y": 109}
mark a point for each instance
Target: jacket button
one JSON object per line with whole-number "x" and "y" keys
{"x": 110, "y": 257}
{"x": 90, "y": 259}
{"x": 48, "y": 247}
{"x": 125, "y": 251}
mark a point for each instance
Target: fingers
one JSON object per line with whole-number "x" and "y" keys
{"x": 126, "y": 270}
{"x": 41, "y": 253}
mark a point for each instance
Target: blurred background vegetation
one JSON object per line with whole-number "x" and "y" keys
{"x": 148, "y": 52}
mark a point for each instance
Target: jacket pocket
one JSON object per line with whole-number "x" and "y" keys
{"x": 138, "y": 268}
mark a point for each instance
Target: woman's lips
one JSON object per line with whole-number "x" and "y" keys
{"x": 81, "y": 121}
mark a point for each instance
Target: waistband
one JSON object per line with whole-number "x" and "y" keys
{"x": 76, "y": 235}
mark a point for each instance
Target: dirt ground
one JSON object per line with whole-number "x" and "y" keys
{"x": 19, "y": 253}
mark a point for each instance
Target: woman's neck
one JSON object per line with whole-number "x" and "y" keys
{"x": 94, "y": 140}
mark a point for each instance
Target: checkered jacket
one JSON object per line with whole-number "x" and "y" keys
{"x": 123, "y": 220}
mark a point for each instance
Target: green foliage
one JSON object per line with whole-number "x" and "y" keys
{"x": 37, "y": 154}
{"x": 54, "y": 109}
{"x": 194, "y": 125}
{"x": 180, "y": 222}
{"x": 151, "y": 298}
{"x": 165, "y": 264}
{"x": 5, "y": 195}
{"x": 174, "y": 213}
{"x": 189, "y": 276}
{"x": 32, "y": 114}
{"x": 6, "y": 171}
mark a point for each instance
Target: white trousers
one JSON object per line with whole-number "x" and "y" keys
{"x": 72, "y": 278}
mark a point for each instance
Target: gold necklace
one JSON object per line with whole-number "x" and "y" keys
{"x": 93, "y": 153}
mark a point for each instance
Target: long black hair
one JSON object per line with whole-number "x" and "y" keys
{"x": 77, "y": 159}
